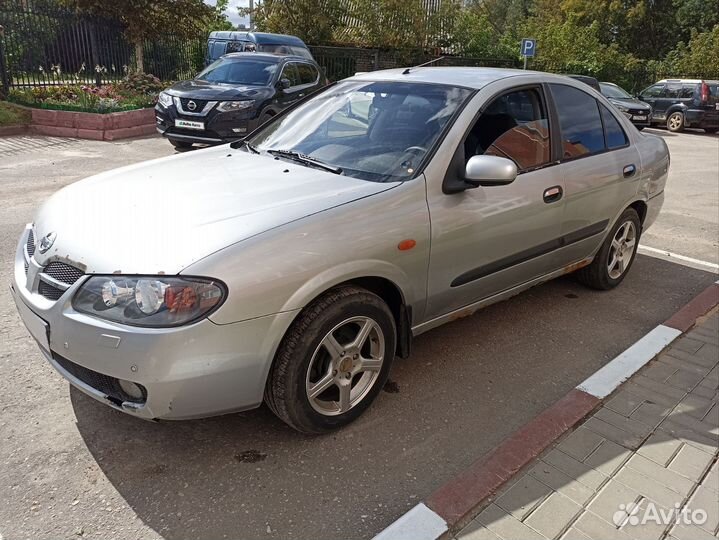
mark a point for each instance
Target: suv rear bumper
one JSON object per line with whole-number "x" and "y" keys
{"x": 700, "y": 118}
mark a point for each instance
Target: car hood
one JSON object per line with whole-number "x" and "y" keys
{"x": 630, "y": 103}
{"x": 161, "y": 216}
{"x": 215, "y": 91}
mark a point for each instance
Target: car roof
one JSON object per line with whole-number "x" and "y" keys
{"x": 267, "y": 56}
{"x": 691, "y": 81}
{"x": 468, "y": 77}
{"x": 261, "y": 38}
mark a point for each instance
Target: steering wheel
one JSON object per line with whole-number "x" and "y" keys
{"x": 415, "y": 150}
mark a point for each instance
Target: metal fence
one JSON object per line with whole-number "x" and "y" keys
{"x": 44, "y": 44}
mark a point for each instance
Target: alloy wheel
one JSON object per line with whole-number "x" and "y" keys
{"x": 675, "y": 122}
{"x": 622, "y": 249}
{"x": 345, "y": 366}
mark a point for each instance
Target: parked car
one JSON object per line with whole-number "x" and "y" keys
{"x": 683, "y": 103}
{"x": 591, "y": 81}
{"x": 233, "y": 96}
{"x": 293, "y": 266}
{"x": 221, "y": 43}
{"x": 637, "y": 111}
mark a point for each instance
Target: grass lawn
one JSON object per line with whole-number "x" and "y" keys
{"x": 12, "y": 115}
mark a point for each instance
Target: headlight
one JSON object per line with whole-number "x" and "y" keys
{"x": 229, "y": 106}
{"x": 621, "y": 107}
{"x": 152, "y": 301}
{"x": 164, "y": 99}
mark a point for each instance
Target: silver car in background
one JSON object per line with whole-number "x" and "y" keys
{"x": 293, "y": 266}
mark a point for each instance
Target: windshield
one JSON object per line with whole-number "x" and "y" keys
{"x": 613, "y": 91}
{"x": 377, "y": 131}
{"x": 251, "y": 71}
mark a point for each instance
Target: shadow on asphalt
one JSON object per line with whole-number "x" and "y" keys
{"x": 467, "y": 386}
{"x": 661, "y": 132}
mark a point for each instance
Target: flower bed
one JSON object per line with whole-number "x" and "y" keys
{"x": 111, "y": 112}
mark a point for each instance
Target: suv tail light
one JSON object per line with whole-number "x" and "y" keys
{"x": 705, "y": 92}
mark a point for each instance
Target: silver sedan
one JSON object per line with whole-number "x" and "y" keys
{"x": 293, "y": 266}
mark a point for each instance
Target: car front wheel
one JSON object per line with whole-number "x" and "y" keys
{"x": 615, "y": 257}
{"x": 333, "y": 361}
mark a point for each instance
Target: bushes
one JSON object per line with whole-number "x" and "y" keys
{"x": 136, "y": 91}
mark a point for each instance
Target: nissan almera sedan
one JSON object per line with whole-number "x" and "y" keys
{"x": 292, "y": 267}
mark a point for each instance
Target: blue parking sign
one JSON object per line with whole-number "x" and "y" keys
{"x": 529, "y": 47}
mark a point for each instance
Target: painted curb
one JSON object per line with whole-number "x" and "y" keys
{"x": 451, "y": 506}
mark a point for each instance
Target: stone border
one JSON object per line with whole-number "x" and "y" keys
{"x": 454, "y": 504}
{"x": 95, "y": 126}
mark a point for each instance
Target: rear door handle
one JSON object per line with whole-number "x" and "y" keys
{"x": 552, "y": 194}
{"x": 629, "y": 171}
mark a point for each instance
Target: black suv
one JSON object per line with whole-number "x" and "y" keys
{"x": 638, "y": 112}
{"x": 683, "y": 103}
{"x": 233, "y": 96}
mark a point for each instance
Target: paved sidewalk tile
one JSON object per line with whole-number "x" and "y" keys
{"x": 505, "y": 525}
{"x": 552, "y": 517}
{"x": 654, "y": 443}
{"x": 690, "y": 462}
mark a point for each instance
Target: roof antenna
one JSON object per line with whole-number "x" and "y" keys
{"x": 406, "y": 71}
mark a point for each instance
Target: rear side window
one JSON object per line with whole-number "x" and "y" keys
{"x": 308, "y": 74}
{"x": 579, "y": 120}
{"x": 672, "y": 91}
{"x": 614, "y": 136}
{"x": 688, "y": 90}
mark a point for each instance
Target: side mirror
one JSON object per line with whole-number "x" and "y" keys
{"x": 490, "y": 171}
{"x": 284, "y": 84}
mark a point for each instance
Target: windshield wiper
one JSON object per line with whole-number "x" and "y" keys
{"x": 307, "y": 160}
{"x": 243, "y": 142}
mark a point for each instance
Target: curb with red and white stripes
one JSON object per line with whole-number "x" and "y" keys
{"x": 452, "y": 505}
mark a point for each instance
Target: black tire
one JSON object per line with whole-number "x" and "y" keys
{"x": 266, "y": 117}
{"x": 286, "y": 392}
{"x": 180, "y": 145}
{"x": 675, "y": 122}
{"x": 711, "y": 130}
{"x": 597, "y": 275}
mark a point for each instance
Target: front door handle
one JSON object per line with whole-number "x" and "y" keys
{"x": 629, "y": 171}
{"x": 552, "y": 194}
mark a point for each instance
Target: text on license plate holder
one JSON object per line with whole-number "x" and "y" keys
{"x": 189, "y": 124}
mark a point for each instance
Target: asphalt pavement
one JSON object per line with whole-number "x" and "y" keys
{"x": 73, "y": 468}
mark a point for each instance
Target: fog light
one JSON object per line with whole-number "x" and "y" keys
{"x": 239, "y": 130}
{"x": 131, "y": 389}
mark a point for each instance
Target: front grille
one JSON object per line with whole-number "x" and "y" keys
{"x": 49, "y": 291}
{"x": 199, "y": 104}
{"x": 638, "y": 112}
{"x": 31, "y": 244}
{"x": 109, "y": 386}
{"x": 63, "y": 272}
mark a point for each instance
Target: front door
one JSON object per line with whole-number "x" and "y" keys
{"x": 652, "y": 96}
{"x": 488, "y": 239}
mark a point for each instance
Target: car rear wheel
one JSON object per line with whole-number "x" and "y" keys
{"x": 333, "y": 361}
{"x": 182, "y": 145}
{"x": 615, "y": 257}
{"x": 675, "y": 122}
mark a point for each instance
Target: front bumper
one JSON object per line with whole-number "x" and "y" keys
{"x": 201, "y": 369}
{"x": 219, "y": 127}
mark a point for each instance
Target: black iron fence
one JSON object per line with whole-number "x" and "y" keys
{"x": 43, "y": 43}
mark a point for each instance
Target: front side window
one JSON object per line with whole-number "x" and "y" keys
{"x": 250, "y": 71}
{"x": 378, "y": 131}
{"x": 292, "y": 74}
{"x": 653, "y": 91}
{"x": 614, "y": 136}
{"x": 579, "y": 120}
{"x": 514, "y": 126}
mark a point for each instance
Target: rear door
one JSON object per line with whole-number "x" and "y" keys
{"x": 600, "y": 170}
{"x": 651, "y": 95}
{"x": 669, "y": 96}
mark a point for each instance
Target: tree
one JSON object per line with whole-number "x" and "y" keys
{"x": 219, "y": 20}
{"x": 698, "y": 58}
{"x": 313, "y": 21}
{"x": 148, "y": 19}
